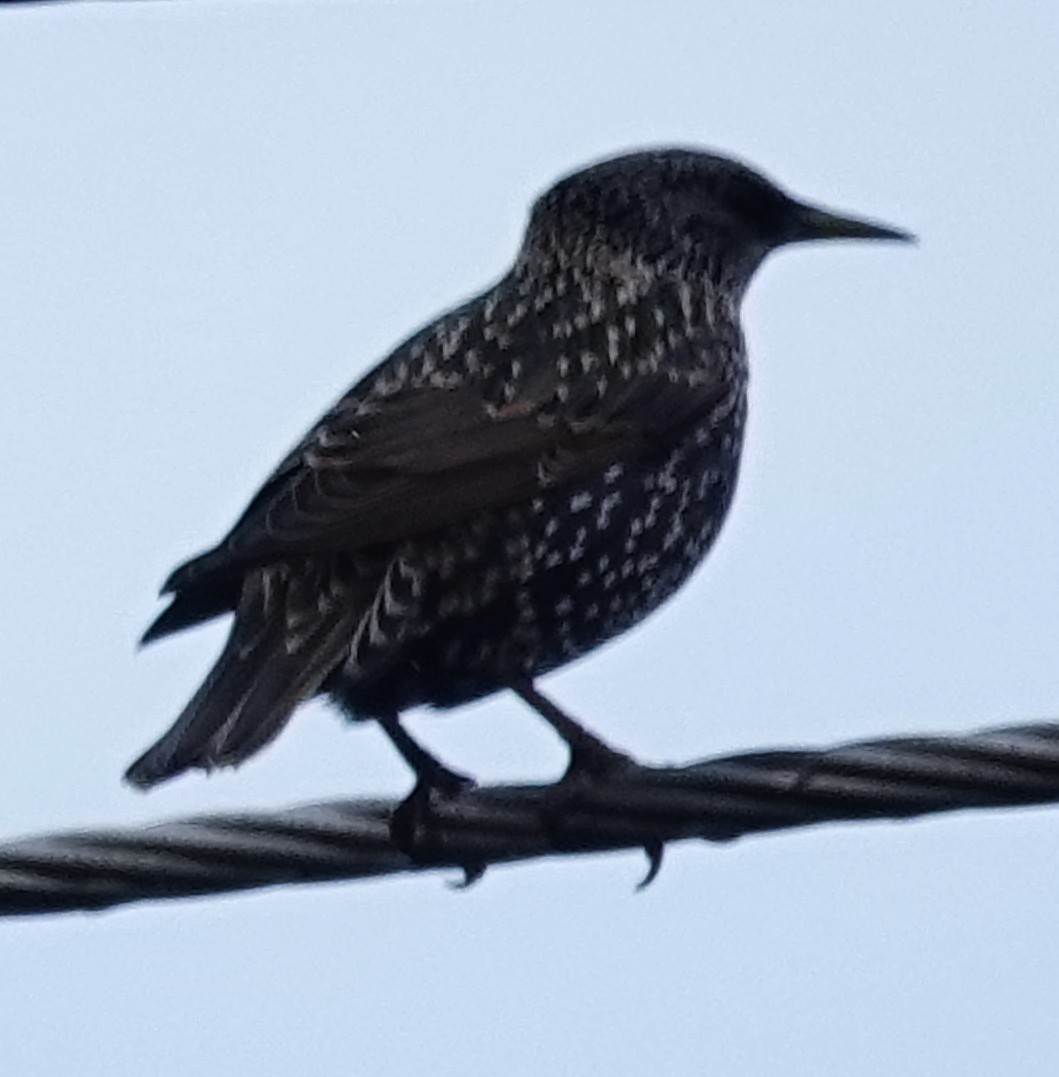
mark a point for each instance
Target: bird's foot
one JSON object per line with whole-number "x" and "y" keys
{"x": 592, "y": 762}
{"x": 561, "y": 804}
{"x": 567, "y": 795}
{"x": 414, "y": 823}
{"x": 411, "y": 818}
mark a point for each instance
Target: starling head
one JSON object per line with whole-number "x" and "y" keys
{"x": 680, "y": 209}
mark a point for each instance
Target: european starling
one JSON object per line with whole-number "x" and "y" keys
{"x": 523, "y": 479}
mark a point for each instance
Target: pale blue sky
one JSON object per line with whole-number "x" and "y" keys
{"x": 215, "y": 215}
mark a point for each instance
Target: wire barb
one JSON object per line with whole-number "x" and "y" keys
{"x": 633, "y": 807}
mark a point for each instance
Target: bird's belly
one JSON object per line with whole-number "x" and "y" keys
{"x": 563, "y": 575}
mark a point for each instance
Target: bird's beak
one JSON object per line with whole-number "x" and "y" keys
{"x": 811, "y": 222}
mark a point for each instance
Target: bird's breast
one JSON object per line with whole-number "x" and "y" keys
{"x": 598, "y": 557}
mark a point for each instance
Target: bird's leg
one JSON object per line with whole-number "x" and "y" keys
{"x": 431, "y": 774}
{"x": 589, "y": 754}
{"x": 410, "y": 822}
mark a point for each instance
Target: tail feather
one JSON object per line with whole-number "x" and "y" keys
{"x": 282, "y": 684}
{"x": 260, "y": 677}
{"x": 183, "y": 745}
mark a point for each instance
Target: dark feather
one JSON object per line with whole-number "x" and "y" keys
{"x": 194, "y": 606}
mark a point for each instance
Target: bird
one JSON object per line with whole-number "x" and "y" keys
{"x": 523, "y": 479}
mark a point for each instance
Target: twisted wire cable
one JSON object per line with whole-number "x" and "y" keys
{"x": 634, "y": 806}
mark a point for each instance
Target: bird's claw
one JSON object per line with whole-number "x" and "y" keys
{"x": 655, "y": 851}
{"x": 471, "y": 874}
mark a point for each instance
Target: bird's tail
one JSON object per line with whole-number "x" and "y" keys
{"x": 267, "y": 667}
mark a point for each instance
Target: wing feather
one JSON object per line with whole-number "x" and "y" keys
{"x": 385, "y": 469}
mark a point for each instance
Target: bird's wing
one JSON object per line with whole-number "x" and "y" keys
{"x": 405, "y": 464}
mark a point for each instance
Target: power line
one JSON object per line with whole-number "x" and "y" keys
{"x": 636, "y": 806}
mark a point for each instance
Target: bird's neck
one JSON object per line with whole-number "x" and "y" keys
{"x": 605, "y": 281}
